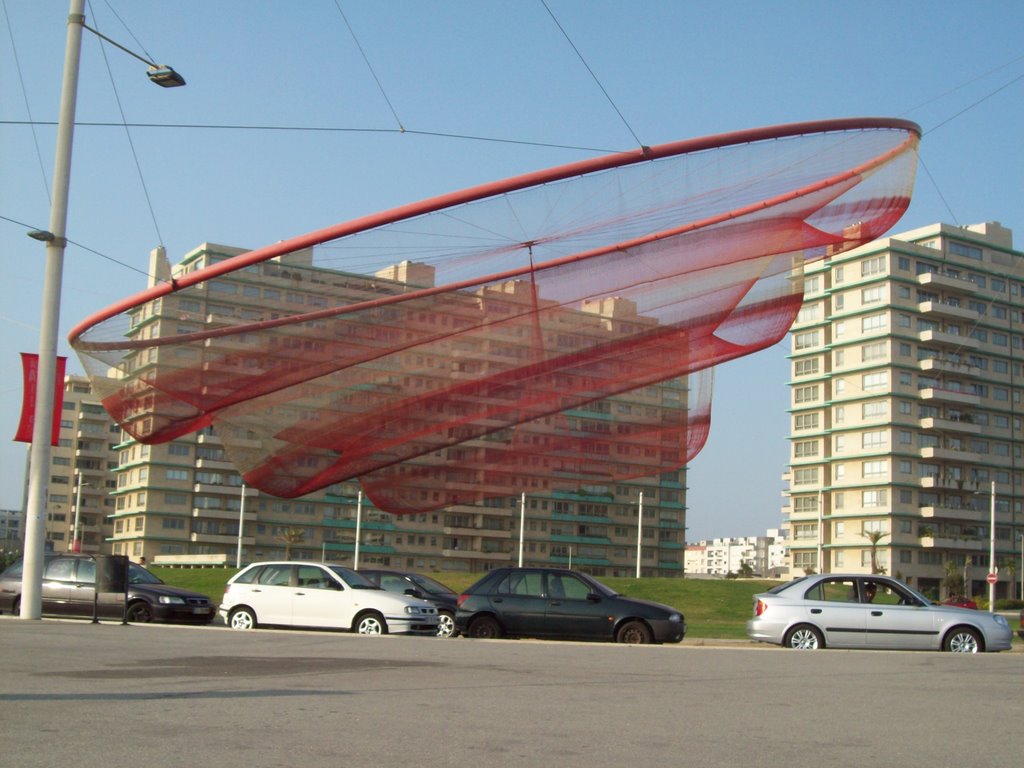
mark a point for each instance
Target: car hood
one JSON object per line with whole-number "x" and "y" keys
{"x": 650, "y": 604}
{"x": 166, "y": 590}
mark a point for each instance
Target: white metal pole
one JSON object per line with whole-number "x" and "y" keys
{"x": 35, "y": 523}
{"x": 241, "y": 525}
{"x": 821, "y": 531}
{"x": 359, "y": 522}
{"x": 522, "y": 525}
{"x": 992, "y": 554}
{"x": 1022, "y": 566}
{"x": 640, "y": 534}
{"x": 78, "y": 506}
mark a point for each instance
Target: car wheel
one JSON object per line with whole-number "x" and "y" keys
{"x": 485, "y": 628}
{"x": 371, "y": 624}
{"x": 445, "y": 625}
{"x": 634, "y": 632}
{"x": 962, "y": 640}
{"x": 804, "y": 637}
{"x": 242, "y": 618}
{"x": 139, "y": 612}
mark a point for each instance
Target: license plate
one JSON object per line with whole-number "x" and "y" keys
{"x": 201, "y": 610}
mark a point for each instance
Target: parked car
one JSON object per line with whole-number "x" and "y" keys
{"x": 425, "y": 588}
{"x": 559, "y": 603}
{"x": 1020, "y": 630}
{"x": 869, "y": 611}
{"x": 69, "y": 589}
{"x": 320, "y": 595}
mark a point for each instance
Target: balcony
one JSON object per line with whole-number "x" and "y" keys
{"x": 223, "y": 514}
{"x": 950, "y": 454}
{"x": 963, "y": 545}
{"x": 942, "y": 309}
{"x": 953, "y": 513}
{"x": 948, "y": 340}
{"x": 949, "y": 396}
{"x": 960, "y": 426}
{"x": 470, "y": 554}
{"x": 214, "y": 538}
{"x": 939, "y": 280}
{"x": 937, "y": 365}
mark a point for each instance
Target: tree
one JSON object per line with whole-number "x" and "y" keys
{"x": 874, "y": 537}
{"x": 954, "y": 583}
{"x": 746, "y": 570}
{"x": 291, "y": 536}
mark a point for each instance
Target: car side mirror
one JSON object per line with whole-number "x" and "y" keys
{"x": 412, "y": 592}
{"x": 593, "y": 597}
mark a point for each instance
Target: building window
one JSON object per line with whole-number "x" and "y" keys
{"x": 805, "y": 476}
{"x": 873, "y": 266}
{"x": 875, "y": 468}
{"x": 805, "y": 421}
{"x": 805, "y": 448}
{"x": 875, "y": 351}
{"x": 874, "y": 323}
{"x": 806, "y": 394}
{"x": 877, "y": 498}
{"x": 879, "y": 380}
{"x": 877, "y": 409}
{"x": 806, "y": 340}
{"x": 872, "y": 295}
{"x": 807, "y": 367}
{"x": 874, "y": 440}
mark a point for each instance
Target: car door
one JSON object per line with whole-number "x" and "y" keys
{"x": 834, "y": 606}
{"x": 897, "y": 619}
{"x": 272, "y": 593}
{"x": 320, "y": 600}
{"x": 520, "y": 602}
{"x": 570, "y": 610}
{"x": 58, "y": 585}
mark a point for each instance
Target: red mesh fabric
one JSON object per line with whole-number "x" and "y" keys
{"x": 518, "y": 337}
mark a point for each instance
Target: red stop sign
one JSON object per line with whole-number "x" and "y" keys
{"x": 992, "y": 578}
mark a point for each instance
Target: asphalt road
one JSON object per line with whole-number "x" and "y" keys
{"x": 83, "y": 695}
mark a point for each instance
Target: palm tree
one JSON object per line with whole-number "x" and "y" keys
{"x": 291, "y": 536}
{"x": 954, "y": 583}
{"x": 874, "y": 537}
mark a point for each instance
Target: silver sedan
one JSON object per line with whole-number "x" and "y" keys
{"x": 870, "y": 611}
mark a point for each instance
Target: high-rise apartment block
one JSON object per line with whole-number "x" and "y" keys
{"x": 906, "y": 410}
{"x": 183, "y": 501}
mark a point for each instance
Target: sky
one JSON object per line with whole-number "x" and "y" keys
{"x": 401, "y": 101}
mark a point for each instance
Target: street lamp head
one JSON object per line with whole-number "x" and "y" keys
{"x": 165, "y": 76}
{"x": 41, "y": 235}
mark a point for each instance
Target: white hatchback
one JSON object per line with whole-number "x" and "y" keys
{"x": 320, "y": 595}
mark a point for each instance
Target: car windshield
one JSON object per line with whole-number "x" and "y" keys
{"x": 427, "y": 584}
{"x": 352, "y": 578}
{"x": 139, "y": 575}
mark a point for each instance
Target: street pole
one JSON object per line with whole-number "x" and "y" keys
{"x": 359, "y": 523}
{"x": 992, "y": 554}
{"x": 78, "y": 506}
{"x": 640, "y": 535}
{"x": 241, "y": 523}
{"x": 522, "y": 524}
{"x": 821, "y": 532}
{"x": 39, "y": 468}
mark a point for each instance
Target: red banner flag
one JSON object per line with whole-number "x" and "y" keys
{"x": 30, "y": 371}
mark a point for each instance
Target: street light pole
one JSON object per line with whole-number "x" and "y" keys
{"x": 39, "y": 468}
{"x": 78, "y": 506}
{"x": 992, "y": 570}
{"x": 56, "y": 241}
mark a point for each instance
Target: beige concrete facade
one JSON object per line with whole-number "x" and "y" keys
{"x": 906, "y": 406}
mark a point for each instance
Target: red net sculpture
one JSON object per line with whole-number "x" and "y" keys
{"x": 507, "y": 337}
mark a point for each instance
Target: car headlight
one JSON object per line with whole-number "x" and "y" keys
{"x": 1001, "y": 620}
{"x": 171, "y": 600}
{"x": 675, "y": 617}
{"x": 413, "y": 609}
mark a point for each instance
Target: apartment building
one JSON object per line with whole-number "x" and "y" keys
{"x": 182, "y": 501}
{"x": 81, "y": 473}
{"x": 906, "y": 409}
{"x": 765, "y": 555}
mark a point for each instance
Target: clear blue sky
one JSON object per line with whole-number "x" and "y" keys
{"x": 498, "y": 71}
